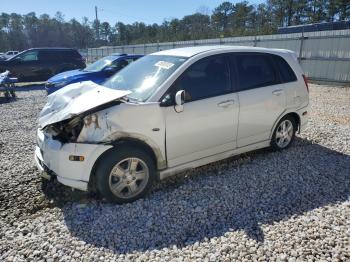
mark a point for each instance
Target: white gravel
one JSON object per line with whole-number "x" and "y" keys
{"x": 292, "y": 205}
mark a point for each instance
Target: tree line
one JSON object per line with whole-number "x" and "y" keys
{"x": 19, "y": 32}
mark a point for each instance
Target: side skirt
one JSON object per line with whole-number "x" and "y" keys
{"x": 210, "y": 159}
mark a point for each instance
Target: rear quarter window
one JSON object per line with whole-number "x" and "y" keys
{"x": 286, "y": 72}
{"x": 69, "y": 55}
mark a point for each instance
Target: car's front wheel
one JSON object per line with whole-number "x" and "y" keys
{"x": 284, "y": 133}
{"x": 125, "y": 174}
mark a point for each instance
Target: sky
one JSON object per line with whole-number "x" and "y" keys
{"x": 126, "y": 11}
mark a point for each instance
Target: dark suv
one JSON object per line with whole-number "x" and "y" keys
{"x": 39, "y": 64}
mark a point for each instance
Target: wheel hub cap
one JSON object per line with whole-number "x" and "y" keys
{"x": 284, "y": 133}
{"x": 128, "y": 178}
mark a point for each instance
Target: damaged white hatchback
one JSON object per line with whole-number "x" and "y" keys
{"x": 168, "y": 112}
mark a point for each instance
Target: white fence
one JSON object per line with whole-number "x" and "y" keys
{"x": 324, "y": 56}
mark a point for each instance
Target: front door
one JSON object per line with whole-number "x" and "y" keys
{"x": 208, "y": 123}
{"x": 26, "y": 65}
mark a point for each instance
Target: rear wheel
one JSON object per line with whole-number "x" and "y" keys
{"x": 284, "y": 133}
{"x": 125, "y": 174}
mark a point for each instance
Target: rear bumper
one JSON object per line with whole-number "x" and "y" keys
{"x": 304, "y": 117}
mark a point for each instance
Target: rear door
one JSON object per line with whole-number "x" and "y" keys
{"x": 208, "y": 123}
{"x": 261, "y": 96}
{"x": 46, "y": 64}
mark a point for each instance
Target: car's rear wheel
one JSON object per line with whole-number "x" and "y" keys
{"x": 284, "y": 133}
{"x": 125, "y": 174}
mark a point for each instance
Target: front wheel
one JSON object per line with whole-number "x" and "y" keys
{"x": 284, "y": 133}
{"x": 125, "y": 174}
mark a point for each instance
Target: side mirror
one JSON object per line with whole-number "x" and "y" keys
{"x": 179, "y": 101}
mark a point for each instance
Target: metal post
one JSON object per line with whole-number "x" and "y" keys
{"x": 255, "y": 41}
{"x": 301, "y": 46}
{"x": 97, "y": 24}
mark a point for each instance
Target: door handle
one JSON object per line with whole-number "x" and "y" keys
{"x": 277, "y": 92}
{"x": 226, "y": 103}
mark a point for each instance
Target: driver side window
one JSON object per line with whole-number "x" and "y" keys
{"x": 208, "y": 77}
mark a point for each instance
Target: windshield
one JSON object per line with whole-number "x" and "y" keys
{"x": 100, "y": 64}
{"x": 145, "y": 75}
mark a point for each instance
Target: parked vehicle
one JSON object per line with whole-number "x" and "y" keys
{"x": 97, "y": 72}
{"x": 10, "y": 54}
{"x": 39, "y": 64}
{"x": 7, "y": 85}
{"x": 168, "y": 112}
{"x": 2, "y": 56}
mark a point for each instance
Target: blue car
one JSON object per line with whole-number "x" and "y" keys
{"x": 97, "y": 72}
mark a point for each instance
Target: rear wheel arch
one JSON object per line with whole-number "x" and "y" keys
{"x": 296, "y": 118}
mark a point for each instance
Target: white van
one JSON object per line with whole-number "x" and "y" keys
{"x": 167, "y": 112}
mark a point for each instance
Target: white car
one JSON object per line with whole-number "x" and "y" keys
{"x": 10, "y": 54}
{"x": 167, "y": 112}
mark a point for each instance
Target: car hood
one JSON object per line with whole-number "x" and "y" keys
{"x": 68, "y": 75}
{"x": 76, "y": 99}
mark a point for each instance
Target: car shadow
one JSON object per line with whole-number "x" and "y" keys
{"x": 240, "y": 193}
{"x": 29, "y": 87}
{"x": 4, "y": 99}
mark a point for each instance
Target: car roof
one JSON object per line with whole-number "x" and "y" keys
{"x": 53, "y": 48}
{"x": 117, "y": 56}
{"x": 123, "y": 55}
{"x": 195, "y": 50}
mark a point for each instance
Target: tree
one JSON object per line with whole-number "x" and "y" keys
{"x": 227, "y": 19}
{"x": 106, "y": 31}
{"x": 344, "y": 9}
{"x": 316, "y": 10}
{"x": 197, "y": 26}
{"x": 221, "y": 18}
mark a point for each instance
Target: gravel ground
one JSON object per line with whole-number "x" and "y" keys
{"x": 292, "y": 205}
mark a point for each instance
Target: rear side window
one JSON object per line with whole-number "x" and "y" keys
{"x": 68, "y": 55}
{"x": 207, "y": 77}
{"x": 255, "y": 70}
{"x": 286, "y": 72}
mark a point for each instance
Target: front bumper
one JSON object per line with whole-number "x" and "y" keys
{"x": 52, "y": 160}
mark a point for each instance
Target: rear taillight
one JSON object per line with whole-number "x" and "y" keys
{"x": 306, "y": 83}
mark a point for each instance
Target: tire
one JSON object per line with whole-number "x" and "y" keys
{"x": 284, "y": 133}
{"x": 125, "y": 174}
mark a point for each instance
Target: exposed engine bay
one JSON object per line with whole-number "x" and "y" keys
{"x": 71, "y": 108}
